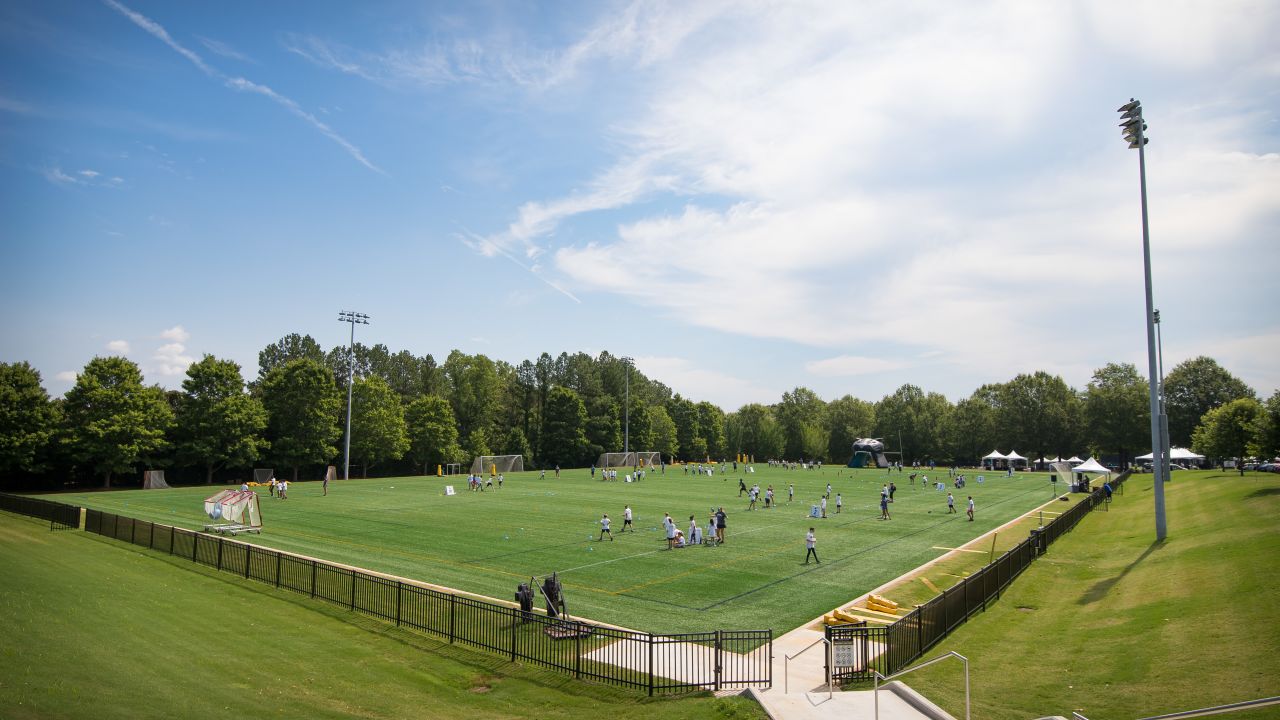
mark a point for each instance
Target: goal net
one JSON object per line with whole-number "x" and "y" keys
{"x": 629, "y": 459}
{"x": 154, "y": 480}
{"x": 262, "y": 476}
{"x": 494, "y": 464}
{"x": 237, "y": 507}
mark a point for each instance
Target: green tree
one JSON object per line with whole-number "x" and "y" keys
{"x": 113, "y": 421}
{"x": 849, "y": 419}
{"x": 1038, "y": 413}
{"x": 1117, "y": 410}
{"x": 564, "y": 440}
{"x": 290, "y": 347}
{"x": 433, "y": 435}
{"x": 473, "y": 389}
{"x": 800, "y": 410}
{"x": 711, "y": 425}
{"x": 516, "y": 443}
{"x": 641, "y": 425}
{"x": 217, "y": 423}
{"x": 1268, "y": 428}
{"x": 693, "y": 446}
{"x": 1229, "y": 430}
{"x": 28, "y": 419}
{"x": 378, "y": 430}
{"x": 478, "y": 443}
{"x": 1192, "y": 389}
{"x": 664, "y": 435}
{"x": 917, "y": 418}
{"x": 303, "y": 406}
{"x": 970, "y": 431}
{"x": 754, "y": 431}
{"x": 604, "y": 431}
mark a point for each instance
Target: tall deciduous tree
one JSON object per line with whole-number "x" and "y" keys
{"x": 971, "y": 428}
{"x": 711, "y": 425}
{"x": 1195, "y": 387}
{"x": 473, "y": 391}
{"x": 665, "y": 438}
{"x": 1038, "y": 414}
{"x": 1268, "y": 427}
{"x": 754, "y": 431}
{"x": 378, "y": 431}
{"x": 604, "y": 431}
{"x": 849, "y": 419}
{"x": 303, "y": 406}
{"x": 433, "y": 435}
{"x": 800, "y": 411}
{"x": 27, "y": 419}
{"x": 218, "y": 424}
{"x": 1117, "y": 410}
{"x": 1229, "y": 430}
{"x": 641, "y": 424}
{"x": 290, "y": 347}
{"x": 564, "y": 439}
{"x": 113, "y": 420}
{"x": 693, "y": 446}
{"x": 919, "y": 417}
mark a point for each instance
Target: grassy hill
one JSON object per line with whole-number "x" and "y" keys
{"x": 1113, "y": 625}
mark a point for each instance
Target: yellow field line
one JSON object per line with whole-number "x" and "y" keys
{"x": 980, "y": 552}
{"x": 929, "y": 585}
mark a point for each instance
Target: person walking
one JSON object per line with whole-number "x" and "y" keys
{"x": 951, "y": 503}
{"x": 824, "y": 506}
{"x": 884, "y": 508}
{"x": 695, "y": 532}
{"x": 892, "y": 489}
{"x": 325, "y": 484}
{"x": 791, "y": 492}
{"x": 604, "y": 528}
{"x": 721, "y": 523}
{"x": 970, "y": 510}
{"x": 626, "y": 520}
{"x": 810, "y": 542}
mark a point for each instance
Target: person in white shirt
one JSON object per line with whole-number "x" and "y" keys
{"x": 810, "y": 542}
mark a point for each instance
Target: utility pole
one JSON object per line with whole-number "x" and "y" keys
{"x": 354, "y": 318}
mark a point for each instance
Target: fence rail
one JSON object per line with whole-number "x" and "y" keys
{"x": 644, "y": 661}
{"x": 890, "y": 648}
{"x": 61, "y": 516}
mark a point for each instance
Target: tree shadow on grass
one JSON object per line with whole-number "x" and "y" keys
{"x": 1263, "y": 492}
{"x": 1102, "y": 587}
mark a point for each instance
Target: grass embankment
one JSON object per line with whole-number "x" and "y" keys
{"x": 488, "y": 542}
{"x": 1114, "y": 625}
{"x": 92, "y": 628}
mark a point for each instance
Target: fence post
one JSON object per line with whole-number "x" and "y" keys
{"x": 719, "y": 649}
{"x": 512, "y": 614}
{"x": 172, "y": 533}
{"x": 577, "y": 652}
{"x": 195, "y": 543}
{"x": 399, "y": 595}
{"x": 279, "y": 562}
{"x": 133, "y": 531}
{"x": 151, "y": 541}
{"x": 313, "y": 578}
{"x": 353, "y": 590}
{"x": 248, "y": 558}
{"x": 453, "y": 602}
{"x": 650, "y": 636}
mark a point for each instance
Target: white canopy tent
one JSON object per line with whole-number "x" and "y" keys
{"x": 1175, "y": 453}
{"x": 1091, "y": 466}
{"x": 1074, "y": 460}
{"x": 995, "y": 456}
{"x": 1015, "y": 459}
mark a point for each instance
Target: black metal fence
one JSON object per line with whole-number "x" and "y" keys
{"x": 645, "y": 661}
{"x": 61, "y": 516}
{"x": 890, "y": 648}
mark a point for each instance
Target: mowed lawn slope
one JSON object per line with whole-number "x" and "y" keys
{"x": 1113, "y": 625}
{"x": 488, "y": 542}
{"x": 93, "y": 628}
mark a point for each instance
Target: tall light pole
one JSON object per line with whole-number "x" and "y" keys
{"x": 1164, "y": 414}
{"x": 354, "y": 318}
{"x": 1134, "y": 129}
{"x": 626, "y": 433}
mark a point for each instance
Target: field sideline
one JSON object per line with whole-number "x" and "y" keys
{"x": 486, "y": 543}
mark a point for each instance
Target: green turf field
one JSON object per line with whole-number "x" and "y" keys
{"x": 94, "y": 628}
{"x": 488, "y": 542}
{"x": 1112, "y": 624}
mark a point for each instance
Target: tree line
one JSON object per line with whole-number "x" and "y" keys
{"x": 410, "y": 414}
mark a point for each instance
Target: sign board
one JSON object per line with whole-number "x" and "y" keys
{"x": 844, "y": 654}
{"x": 448, "y": 490}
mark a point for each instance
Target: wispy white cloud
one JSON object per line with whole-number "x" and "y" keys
{"x": 67, "y": 375}
{"x": 10, "y": 105}
{"x": 176, "y": 334}
{"x": 850, "y": 365}
{"x": 692, "y": 380}
{"x": 218, "y": 47}
{"x": 57, "y": 177}
{"x": 171, "y": 359}
{"x": 240, "y": 83}
{"x": 91, "y": 174}
{"x": 118, "y": 346}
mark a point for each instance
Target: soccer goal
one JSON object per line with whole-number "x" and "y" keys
{"x": 629, "y": 459}
{"x": 154, "y": 480}
{"x": 262, "y": 476}
{"x": 495, "y": 464}
{"x": 238, "y": 509}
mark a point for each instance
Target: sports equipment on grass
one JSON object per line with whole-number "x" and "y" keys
{"x": 629, "y": 459}
{"x": 154, "y": 480}
{"x": 239, "y": 508}
{"x": 495, "y": 464}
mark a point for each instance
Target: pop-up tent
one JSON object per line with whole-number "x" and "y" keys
{"x": 1092, "y": 467}
{"x": 995, "y": 456}
{"x": 1074, "y": 460}
{"x": 1015, "y": 459}
{"x": 1175, "y": 453}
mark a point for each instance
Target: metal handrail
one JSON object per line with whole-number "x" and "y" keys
{"x": 786, "y": 665}
{"x": 877, "y": 677}
{"x": 1219, "y": 709}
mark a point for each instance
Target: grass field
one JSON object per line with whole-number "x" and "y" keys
{"x": 1113, "y": 625}
{"x": 488, "y": 542}
{"x": 94, "y": 628}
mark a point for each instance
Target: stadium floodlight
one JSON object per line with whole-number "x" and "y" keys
{"x": 1164, "y": 412}
{"x": 1134, "y": 129}
{"x": 354, "y": 318}
{"x": 626, "y": 408}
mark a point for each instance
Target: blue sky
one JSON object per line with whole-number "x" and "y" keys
{"x": 745, "y": 197}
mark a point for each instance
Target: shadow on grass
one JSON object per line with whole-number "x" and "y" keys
{"x": 1263, "y": 492}
{"x": 1102, "y": 587}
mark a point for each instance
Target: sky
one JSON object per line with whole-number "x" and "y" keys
{"x": 745, "y": 197}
